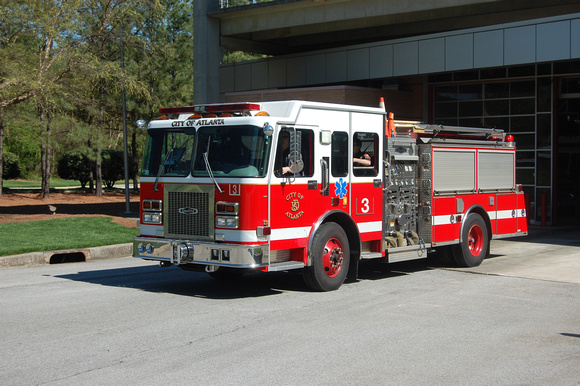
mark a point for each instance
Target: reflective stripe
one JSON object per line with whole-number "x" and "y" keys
{"x": 289, "y": 233}
{"x": 373, "y": 226}
{"x": 443, "y": 219}
{"x": 238, "y": 236}
{"x": 493, "y": 215}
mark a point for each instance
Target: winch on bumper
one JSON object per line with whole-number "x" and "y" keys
{"x": 188, "y": 252}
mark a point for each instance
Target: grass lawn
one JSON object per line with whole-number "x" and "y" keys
{"x": 32, "y": 184}
{"x": 65, "y": 233}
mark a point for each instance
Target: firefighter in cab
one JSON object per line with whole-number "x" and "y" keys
{"x": 360, "y": 158}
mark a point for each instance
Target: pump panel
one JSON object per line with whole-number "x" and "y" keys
{"x": 401, "y": 193}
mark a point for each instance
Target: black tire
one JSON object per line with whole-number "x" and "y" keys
{"x": 473, "y": 244}
{"x": 227, "y": 273}
{"x": 330, "y": 259}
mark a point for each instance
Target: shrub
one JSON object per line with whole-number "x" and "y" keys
{"x": 11, "y": 166}
{"x": 112, "y": 167}
{"x": 74, "y": 166}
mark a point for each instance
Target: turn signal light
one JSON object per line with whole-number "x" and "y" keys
{"x": 263, "y": 231}
{"x": 222, "y": 207}
{"x": 152, "y": 205}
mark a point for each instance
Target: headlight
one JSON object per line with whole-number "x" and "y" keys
{"x": 227, "y": 222}
{"x": 152, "y": 218}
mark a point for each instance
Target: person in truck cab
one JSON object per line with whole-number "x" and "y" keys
{"x": 360, "y": 158}
{"x": 281, "y": 167}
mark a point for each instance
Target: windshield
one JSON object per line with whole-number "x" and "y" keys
{"x": 172, "y": 149}
{"x": 234, "y": 151}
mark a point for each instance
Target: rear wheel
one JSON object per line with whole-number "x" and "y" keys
{"x": 474, "y": 242}
{"x": 330, "y": 258}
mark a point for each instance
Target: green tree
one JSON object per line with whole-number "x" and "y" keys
{"x": 161, "y": 56}
{"x": 45, "y": 42}
{"x": 61, "y": 79}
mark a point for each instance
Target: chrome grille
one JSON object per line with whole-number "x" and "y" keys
{"x": 189, "y": 213}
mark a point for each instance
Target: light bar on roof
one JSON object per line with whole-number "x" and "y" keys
{"x": 214, "y": 108}
{"x": 229, "y": 107}
{"x": 177, "y": 110}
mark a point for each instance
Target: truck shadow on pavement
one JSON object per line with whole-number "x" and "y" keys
{"x": 152, "y": 278}
{"x": 175, "y": 281}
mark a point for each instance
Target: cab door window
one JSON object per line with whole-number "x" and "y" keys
{"x": 364, "y": 153}
{"x": 306, "y": 146}
{"x": 339, "y": 149}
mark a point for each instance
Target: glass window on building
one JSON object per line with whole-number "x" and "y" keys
{"x": 518, "y": 101}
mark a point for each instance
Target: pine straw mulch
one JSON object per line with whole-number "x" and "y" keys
{"x": 22, "y": 207}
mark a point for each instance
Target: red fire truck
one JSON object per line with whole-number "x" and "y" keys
{"x": 275, "y": 186}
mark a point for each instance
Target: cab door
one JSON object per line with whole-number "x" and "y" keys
{"x": 365, "y": 165}
{"x": 294, "y": 194}
{"x": 351, "y": 177}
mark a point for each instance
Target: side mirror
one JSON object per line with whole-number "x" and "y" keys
{"x": 295, "y": 162}
{"x": 141, "y": 124}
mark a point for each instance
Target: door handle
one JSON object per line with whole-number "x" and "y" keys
{"x": 324, "y": 175}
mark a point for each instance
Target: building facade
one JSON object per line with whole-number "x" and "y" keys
{"x": 512, "y": 65}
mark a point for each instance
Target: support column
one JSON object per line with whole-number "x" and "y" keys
{"x": 206, "y": 53}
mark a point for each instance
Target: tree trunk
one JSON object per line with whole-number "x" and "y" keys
{"x": 91, "y": 181}
{"x": 98, "y": 169}
{"x": 91, "y": 168}
{"x": 98, "y": 174}
{"x": 45, "y": 155}
{"x": 45, "y": 168}
{"x": 1, "y": 151}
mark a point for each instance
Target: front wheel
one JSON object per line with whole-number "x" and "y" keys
{"x": 330, "y": 256}
{"x": 474, "y": 242}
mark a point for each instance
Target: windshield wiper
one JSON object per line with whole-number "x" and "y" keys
{"x": 161, "y": 168}
{"x": 208, "y": 167}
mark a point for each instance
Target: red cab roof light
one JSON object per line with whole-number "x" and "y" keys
{"x": 176, "y": 110}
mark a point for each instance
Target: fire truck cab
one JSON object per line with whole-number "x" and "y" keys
{"x": 287, "y": 185}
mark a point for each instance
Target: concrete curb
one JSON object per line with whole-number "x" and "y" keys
{"x": 69, "y": 255}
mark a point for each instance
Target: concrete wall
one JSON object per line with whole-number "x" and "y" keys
{"x": 540, "y": 40}
{"x": 207, "y": 54}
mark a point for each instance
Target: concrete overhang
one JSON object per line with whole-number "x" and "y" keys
{"x": 288, "y": 26}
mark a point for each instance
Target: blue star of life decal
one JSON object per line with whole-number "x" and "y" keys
{"x": 340, "y": 188}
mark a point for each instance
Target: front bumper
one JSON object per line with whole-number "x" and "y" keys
{"x": 193, "y": 252}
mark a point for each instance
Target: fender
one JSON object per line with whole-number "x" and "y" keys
{"x": 350, "y": 228}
